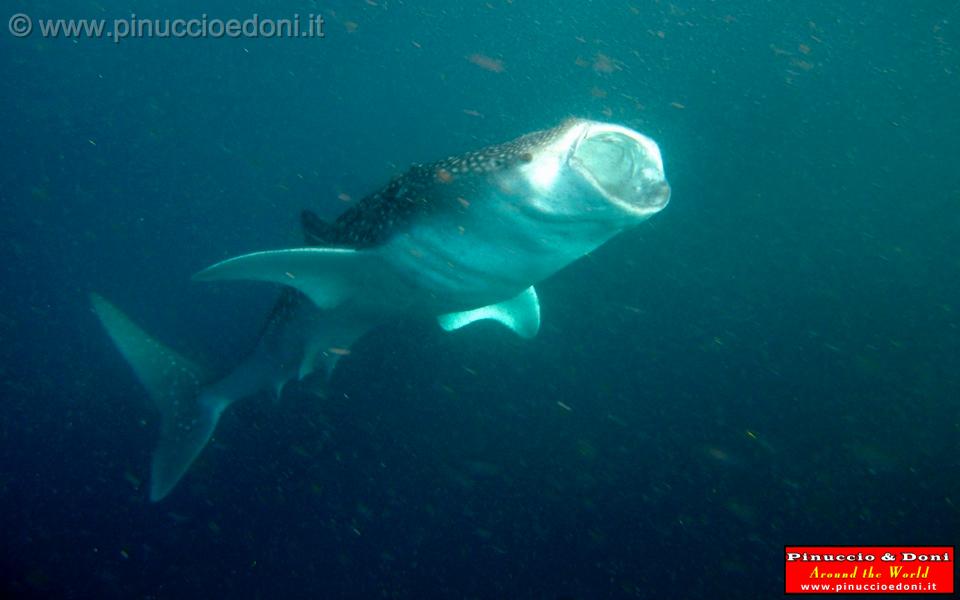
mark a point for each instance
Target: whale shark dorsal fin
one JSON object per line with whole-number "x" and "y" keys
{"x": 327, "y": 276}
{"x": 316, "y": 231}
{"x": 520, "y": 313}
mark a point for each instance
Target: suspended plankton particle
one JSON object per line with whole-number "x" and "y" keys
{"x": 485, "y": 62}
{"x": 603, "y": 64}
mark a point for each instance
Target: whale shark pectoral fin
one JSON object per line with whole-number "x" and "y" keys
{"x": 520, "y": 313}
{"x": 328, "y": 276}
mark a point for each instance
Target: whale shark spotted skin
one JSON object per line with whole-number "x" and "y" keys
{"x": 460, "y": 240}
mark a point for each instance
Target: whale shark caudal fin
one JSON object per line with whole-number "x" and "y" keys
{"x": 520, "y": 313}
{"x": 175, "y": 384}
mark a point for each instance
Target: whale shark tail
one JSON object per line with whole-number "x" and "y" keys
{"x": 188, "y": 413}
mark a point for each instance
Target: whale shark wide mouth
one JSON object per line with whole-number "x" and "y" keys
{"x": 625, "y": 166}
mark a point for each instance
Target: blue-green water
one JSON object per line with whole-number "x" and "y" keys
{"x": 774, "y": 359}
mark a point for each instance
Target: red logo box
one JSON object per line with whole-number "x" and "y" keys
{"x": 869, "y": 569}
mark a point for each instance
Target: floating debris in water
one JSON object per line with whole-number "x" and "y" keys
{"x": 485, "y": 62}
{"x": 604, "y": 64}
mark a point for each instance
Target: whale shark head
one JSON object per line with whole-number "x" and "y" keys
{"x": 623, "y": 165}
{"x": 587, "y": 168}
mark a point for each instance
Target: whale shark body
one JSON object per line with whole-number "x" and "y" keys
{"x": 459, "y": 240}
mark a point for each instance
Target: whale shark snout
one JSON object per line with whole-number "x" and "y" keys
{"x": 624, "y": 165}
{"x": 587, "y": 171}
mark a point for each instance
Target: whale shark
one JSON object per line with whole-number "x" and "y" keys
{"x": 459, "y": 240}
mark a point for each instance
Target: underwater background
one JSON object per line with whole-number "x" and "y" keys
{"x": 774, "y": 359}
